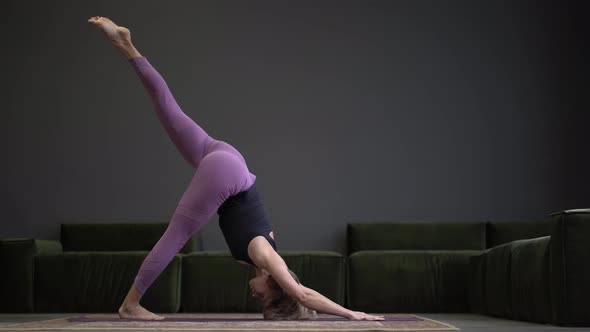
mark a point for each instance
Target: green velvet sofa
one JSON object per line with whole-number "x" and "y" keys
{"x": 525, "y": 270}
{"x": 92, "y": 266}
{"x": 533, "y": 271}
{"x": 90, "y": 269}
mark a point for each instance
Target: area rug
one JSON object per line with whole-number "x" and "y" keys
{"x": 233, "y": 322}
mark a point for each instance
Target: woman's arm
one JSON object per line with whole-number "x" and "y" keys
{"x": 307, "y": 297}
{"x": 314, "y": 300}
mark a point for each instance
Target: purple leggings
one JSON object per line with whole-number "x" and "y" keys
{"x": 221, "y": 171}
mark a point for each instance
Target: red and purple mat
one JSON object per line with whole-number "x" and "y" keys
{"x": 229, "y": 319}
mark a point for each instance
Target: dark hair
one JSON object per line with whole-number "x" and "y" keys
{"x": 282, "y": 306}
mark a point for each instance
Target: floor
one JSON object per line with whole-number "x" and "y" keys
{"x": 466, "y": 322}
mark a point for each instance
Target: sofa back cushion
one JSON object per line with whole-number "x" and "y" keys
{"x": 500, "y": 232}
{"x": 118, "y": 237}
{"x": 416, "y": 235}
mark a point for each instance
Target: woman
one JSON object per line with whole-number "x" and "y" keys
{"x": 221, "y": 183}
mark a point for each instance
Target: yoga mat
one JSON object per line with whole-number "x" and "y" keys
{"x": 232, "y": 322}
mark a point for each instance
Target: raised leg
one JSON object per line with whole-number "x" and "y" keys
{"x": 190, "y": 139}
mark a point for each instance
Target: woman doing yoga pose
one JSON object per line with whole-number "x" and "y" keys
{"x": 222, "y": 183}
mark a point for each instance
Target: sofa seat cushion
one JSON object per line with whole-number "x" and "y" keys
{"x": 530, "y": 280}
{"x": 99, "y": 281}
{"x": 497, "y": 281}
{"x": 212, "y": 281}
{"x": 409, "y": 280}
{"x": 516, "y": 280}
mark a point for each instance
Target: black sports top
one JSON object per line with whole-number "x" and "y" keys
{"x": 242, "y": 218}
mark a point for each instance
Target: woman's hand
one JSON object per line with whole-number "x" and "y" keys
{"x": 359, "y": 315}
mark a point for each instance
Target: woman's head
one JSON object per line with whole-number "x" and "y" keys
{"x": 277, "y": 304}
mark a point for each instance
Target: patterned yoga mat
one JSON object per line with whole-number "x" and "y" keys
{"x": 229, "y": 322}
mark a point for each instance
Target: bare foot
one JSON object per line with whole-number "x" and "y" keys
{"x": 116, "y": 34}
{"x": 138, "y": 312}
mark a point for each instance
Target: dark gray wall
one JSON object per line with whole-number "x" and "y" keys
{"x": 346, "y": 111}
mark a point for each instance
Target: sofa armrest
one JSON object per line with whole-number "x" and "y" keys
{"x": 16, "y": 280}
{"x": 570, "y": 271}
